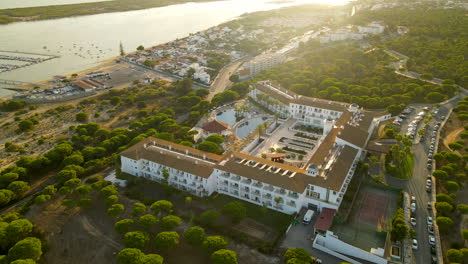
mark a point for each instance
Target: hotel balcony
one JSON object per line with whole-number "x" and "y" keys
{"x": 236, "y": 178}
{"x": 234, "y": 192}
{"x": 268, "y": 188}
{"x": 291, "y": 204}
{"x": 225, "y": 175}
{"x": 267, "y": 196}
{"x": 293, "y": 195}
{"x": 280, "y": 191}
{"x": 246, "y": 181}
{"x": 223, "y": 184}
{"x": 258, "y": 184}
{"x": 278, "y": 206}
{"x": 234, "y": 185}
{"x": 256, "y": 192}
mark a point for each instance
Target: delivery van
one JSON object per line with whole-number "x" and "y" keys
{"x": 307, "y": 217}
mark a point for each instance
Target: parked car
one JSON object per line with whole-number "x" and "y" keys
{"x": 428, "y": 189}
{"x": 433, "y": 250}
{"x": 429, "y": 206}
{"x": 413, "y": 207}
{"x": 430, "y": 229}
{"x": 431, "y": 240}
{"x": 413, "y": 221}
{"x": 433, "y": 260}
{"x": 429, "y": 220}
{"x": 429, "y": 166}
{"x": 415, "y": 244}
{"x": 428, "y": 182}
{"x": 413, "y": 199}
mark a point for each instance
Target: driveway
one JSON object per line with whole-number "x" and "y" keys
{"x": 301, "y": 236}
{"x": 416, "y": 185}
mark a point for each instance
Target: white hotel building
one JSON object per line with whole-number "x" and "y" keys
{"x": 321, "y": 183}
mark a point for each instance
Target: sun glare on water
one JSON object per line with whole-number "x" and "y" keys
{"x": 327, "y": 2}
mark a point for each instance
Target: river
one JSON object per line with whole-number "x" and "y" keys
{"x": 84, "y": 41}
{"x": 4, "y": 4}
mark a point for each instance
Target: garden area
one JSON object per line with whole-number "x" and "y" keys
{"x": 308, "y": 129}
{"x": 257, "y": 227}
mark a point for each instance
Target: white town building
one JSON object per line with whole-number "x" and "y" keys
{"x": 264, "y": 62}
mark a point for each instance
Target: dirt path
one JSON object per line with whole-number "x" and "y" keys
{"x": 452, "y": 136}
{"x": 92, "y": 230}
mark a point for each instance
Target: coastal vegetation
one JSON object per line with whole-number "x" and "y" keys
{"x": 348, "y": 73}
{"x": 69, "y": 10}
{"x": 451, "y": 176}
{"x": 435, "y": 41}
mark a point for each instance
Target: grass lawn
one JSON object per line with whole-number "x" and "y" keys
{"x": 276, "y": 220}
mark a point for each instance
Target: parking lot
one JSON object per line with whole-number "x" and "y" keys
{"x": 424, "y": 148}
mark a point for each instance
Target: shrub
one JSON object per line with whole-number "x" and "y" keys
{"x": 214, "y": 243}
{"x": 195, "y": 235}
{"x": 136, "y": 239}
{"x": 170, "y": 222}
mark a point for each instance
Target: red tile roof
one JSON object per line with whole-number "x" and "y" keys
{"x": 215, "y": 126}
{"x": 325, "y": 219}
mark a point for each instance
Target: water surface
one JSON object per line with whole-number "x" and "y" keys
{"x": 84, "y": 41}
{"x": 4, "y": 4}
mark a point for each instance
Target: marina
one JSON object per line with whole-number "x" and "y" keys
{"x": 12, "y": 60}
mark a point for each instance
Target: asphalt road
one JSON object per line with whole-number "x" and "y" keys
{"x": 416, "y": 186}
{"x": 222, "y": 81}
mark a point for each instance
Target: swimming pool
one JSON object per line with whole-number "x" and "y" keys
{"x": 248, "y": 126}
{"x": 227, "y": 116}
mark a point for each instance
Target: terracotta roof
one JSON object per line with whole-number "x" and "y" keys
{"x": 173, "y": 158}
{"x": 276, "y": 155}
{"x": 84, "y": 85}
{"x": 339, "y": 171}
{"x": 278, "y": 96}
{"x": 327, "y": 143}
{"x": 354, "y": 135}
{"x": 215, "y": 126}
{"x": 378, "y": 147}
{"x": 325, "y": 219}
{"x": 320, "y": 103}
{"x": 295, "y": 183}
{"x": 93, "y": 82}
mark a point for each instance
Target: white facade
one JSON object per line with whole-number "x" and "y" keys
{"x": 264, "y": 62}
{"x": 322, "y": 183}
{"x": 372, "y": 28}
{"x": 179, "y": 179}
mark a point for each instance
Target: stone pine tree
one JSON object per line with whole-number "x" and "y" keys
{"x": 122, "y": 52}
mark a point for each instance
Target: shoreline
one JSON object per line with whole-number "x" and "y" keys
{"x": 110, "y": 62}
{"x": 38, "y": 13}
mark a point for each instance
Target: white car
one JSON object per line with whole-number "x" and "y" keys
{"x": 431, "y": 240}
{"x": 429, "y": 220}
{"x": 413, "y": 199}
{"x": 429, "y": 183}
{"x": 413, "y": 221}
{"x": 413, "y": 207}
{"x": 415, "y": 244}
